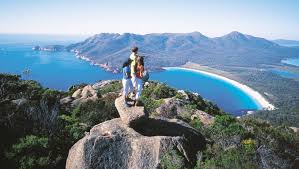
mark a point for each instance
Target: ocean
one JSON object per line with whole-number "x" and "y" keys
{"x": 60, "y": 70}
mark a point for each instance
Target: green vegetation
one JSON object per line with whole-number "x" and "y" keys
{"x": 228, "y": 126}
{"x": 197, "y": 124}
{"x": 113, "y": 87}
{"x": 154, "y": 93}
{"x": 31, "y": 152}
{"x": 234, "y": 143}
{"x": 228, "y": 159}
{"x": 86, "y": 115}
{"x": 150, "y": 104}
{"x": 38, "y": 132}
{"x": 172, "y": 160}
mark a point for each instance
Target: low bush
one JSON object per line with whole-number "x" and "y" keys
{"x": 227, "y": 126}
{"x": 31, "y": 152}
{"x": 114, "y": 86}
{"x": 151, "y": 104}
{"x": 172, "y": 160}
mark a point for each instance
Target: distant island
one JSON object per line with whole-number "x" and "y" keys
{"x": 52, "y": 48}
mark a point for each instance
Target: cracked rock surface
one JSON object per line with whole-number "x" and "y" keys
{"x": 134, "y": 141}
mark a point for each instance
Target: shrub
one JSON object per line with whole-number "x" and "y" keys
{"x": 86, "y": 115}
{"x": 112, "y": 87}
{"x": 197, "y": 124}
{"x": 150, "y": 104}
{"x": 158, "y": 91}
{"x": 49, "y": 93}
{"x": 31, "y": 152}
{"x": 73, "y": 128}
{"x": 186, "y": 115}
{"x": 179, "y": 95}
{"x": 224, "y": 120}
{"x": 278, "y": 138}
{"x": 172, "y": 160}
{"x": 215, "y": 157}
{"x": 226, "y": 126}
{"x": 249, "y": 145}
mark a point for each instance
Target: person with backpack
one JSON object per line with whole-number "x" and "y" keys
{"x": 126, "y": 81}
{"x": 139, "y": 78}
{"x": 133, "y": 58}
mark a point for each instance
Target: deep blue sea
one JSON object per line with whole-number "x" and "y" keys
{"x": 60, "y": 70}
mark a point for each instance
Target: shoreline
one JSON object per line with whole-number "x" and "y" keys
{"x": 256, "y": 96}
{"x": 93, "y": 63}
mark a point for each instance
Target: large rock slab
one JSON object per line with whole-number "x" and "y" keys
{"x": 77, "y": 93}
{"x": 131, "y": 114}
{"x": 113, "y": 144}
{"x": 204, "y": 117}
{"x": 88, "y": 91}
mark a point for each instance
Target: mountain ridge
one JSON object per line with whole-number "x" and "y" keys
{"x": 175, "y": 49}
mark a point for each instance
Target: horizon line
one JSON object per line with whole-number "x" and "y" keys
{"x": 122, "y": 33}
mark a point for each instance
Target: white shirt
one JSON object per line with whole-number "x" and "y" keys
{"x": 133, "y": 56}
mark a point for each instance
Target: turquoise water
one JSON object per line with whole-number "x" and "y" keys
{"x": 60, "y": 70}
{"x": 291, "y": 61}
{"x": 225, "y": 95}
{"x": 284, "y": 73}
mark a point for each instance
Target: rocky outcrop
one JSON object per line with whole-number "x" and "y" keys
{"x": 295, "y": 129}
{"x": 173, "y": 107}
{"x": 204, "y": 117}
{"x": 129, "y": 115}
{"x": 82, "y": 95}
{"x": 135, "y": 141}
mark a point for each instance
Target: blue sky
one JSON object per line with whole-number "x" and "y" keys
{"x": 266, "y": 18}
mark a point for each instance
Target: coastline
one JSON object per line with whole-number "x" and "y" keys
{"x": 105, "y": 66}
{"x": 256, "y": 96}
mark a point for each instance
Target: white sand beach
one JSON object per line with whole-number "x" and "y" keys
{"x": 266, "y": 105}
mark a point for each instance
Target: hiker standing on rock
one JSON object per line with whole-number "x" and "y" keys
{"x": 139, "y": 78}
{"x": 133, "y": 58}
{"x": 126, "y": 81}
